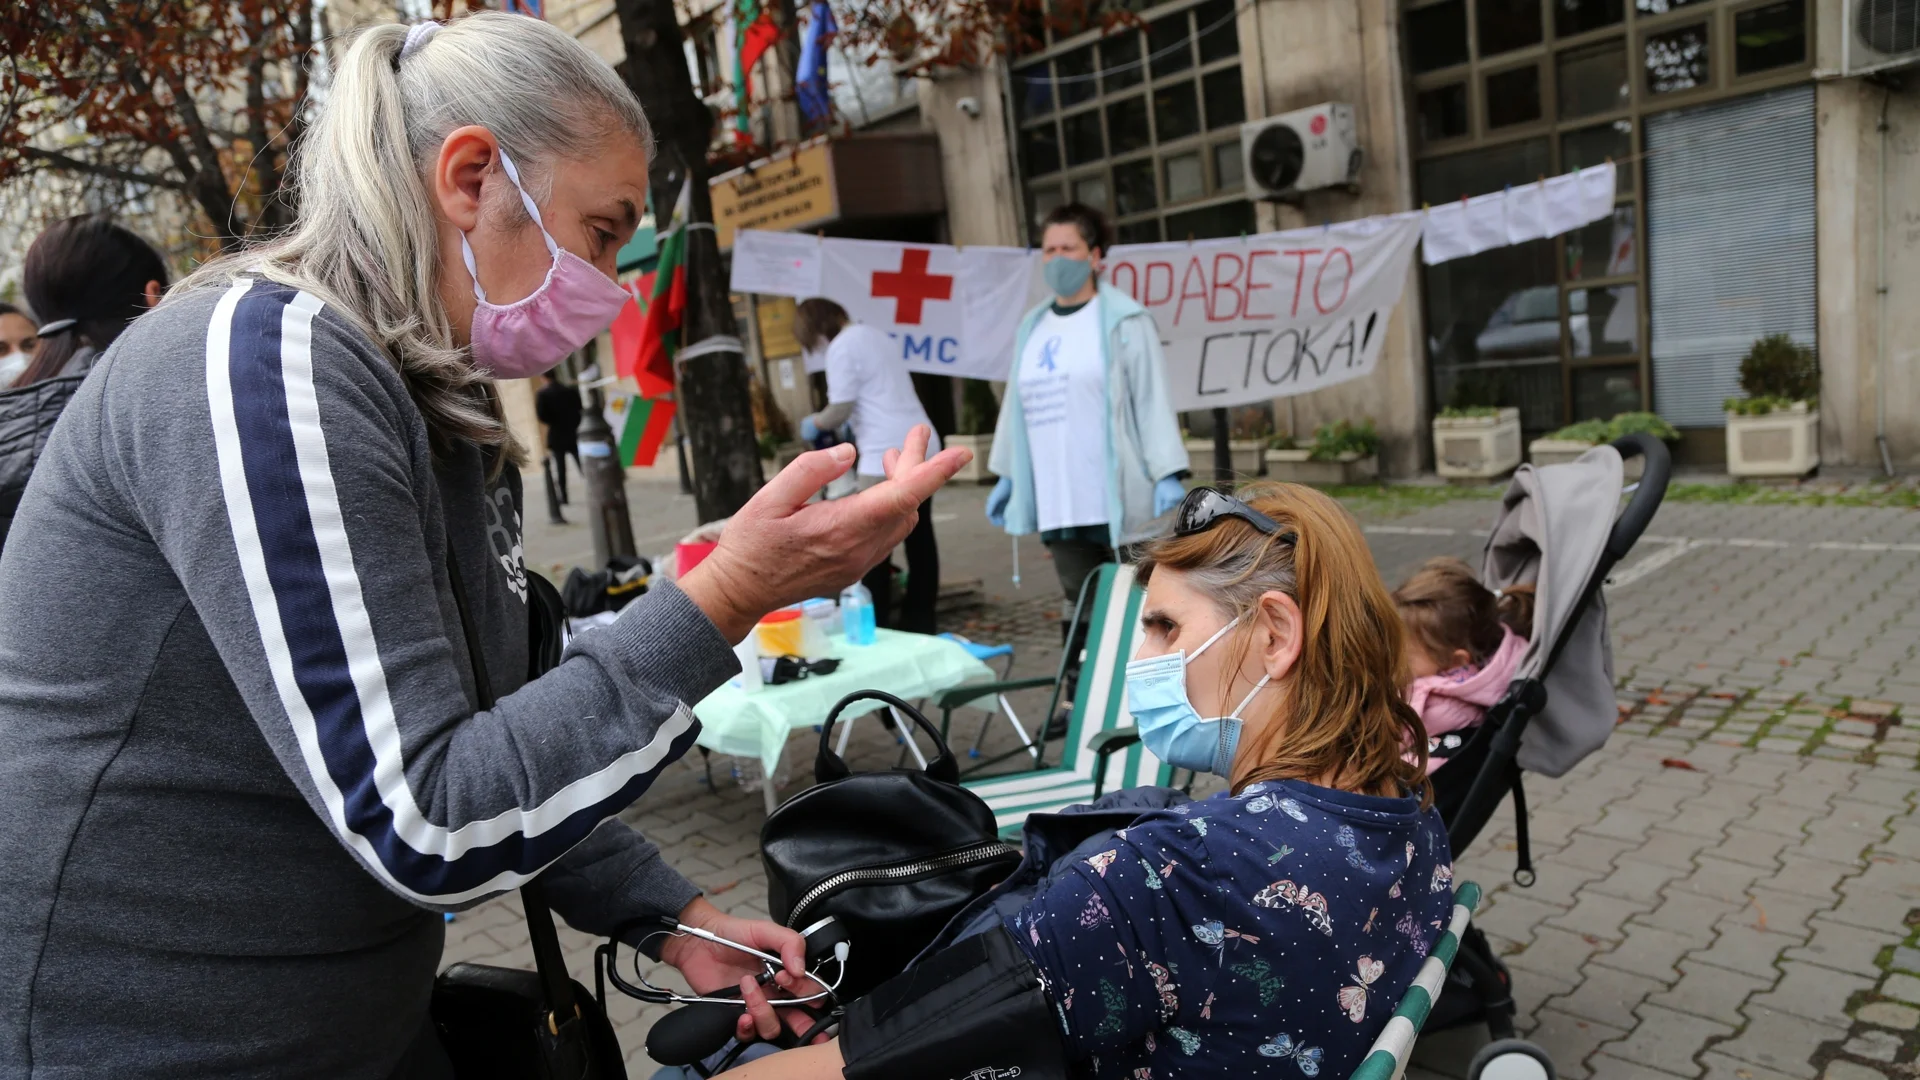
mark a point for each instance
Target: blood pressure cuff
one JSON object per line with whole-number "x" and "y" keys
{"x": 974, "y": 1011}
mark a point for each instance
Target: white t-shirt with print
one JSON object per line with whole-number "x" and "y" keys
{"x": 865, "y": 369}
{"x": 1063, "y": 393}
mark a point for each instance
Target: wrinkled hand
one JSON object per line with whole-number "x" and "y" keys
{"x": 997, "y": 501}
{"x": 1167, "y": 494}
{"x": 709, "y": 967}
{"x": 780, "y": 549}
{"x": 762, "y": 1020}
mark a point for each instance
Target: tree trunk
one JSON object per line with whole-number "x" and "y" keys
{"x": 713, "y": 389}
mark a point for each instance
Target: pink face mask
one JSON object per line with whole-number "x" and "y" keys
{"x": 574, "y": 305}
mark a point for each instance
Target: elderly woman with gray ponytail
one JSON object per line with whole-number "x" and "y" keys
{"x": 234, "y": 798}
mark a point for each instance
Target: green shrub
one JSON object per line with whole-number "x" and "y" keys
{"x": 1457, "y": 412}
{"x": 979, "y": 409}
{"x": 1586, "y": 431}
{"x": 1645, "y": 423}
{"x": 1777, "y": 368}
{"x": 1761, "y": 406}
{"x": 1332, "y": 440}
{"x": 1282, "y": 442}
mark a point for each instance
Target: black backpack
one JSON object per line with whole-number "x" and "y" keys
{"x": 892, "y": 855}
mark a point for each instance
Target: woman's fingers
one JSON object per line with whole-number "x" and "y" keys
{"x": 765, "y": 1023}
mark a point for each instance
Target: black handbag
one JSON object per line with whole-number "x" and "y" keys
{"x": 508, "y": 1023}
{"x": 893, "y": 855}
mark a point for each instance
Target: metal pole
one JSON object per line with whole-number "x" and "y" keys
{"x": 1222, "y": 453}
{"x": 606, "y": 483}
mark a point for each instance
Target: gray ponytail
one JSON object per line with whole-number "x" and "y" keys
{"x": 366, "y": 239}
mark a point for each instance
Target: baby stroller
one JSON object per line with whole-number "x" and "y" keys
{"x": 1558, "y": 531}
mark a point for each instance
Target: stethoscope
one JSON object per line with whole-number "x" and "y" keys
{"x": 826, "y": 942}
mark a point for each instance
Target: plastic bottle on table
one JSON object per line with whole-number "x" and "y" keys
{"x": 856, "y": 614}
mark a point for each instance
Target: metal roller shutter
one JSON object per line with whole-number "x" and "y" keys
{"x": 1730, "y": 243}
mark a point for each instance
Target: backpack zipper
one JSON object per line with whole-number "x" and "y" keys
{"x": 985, "y": 851}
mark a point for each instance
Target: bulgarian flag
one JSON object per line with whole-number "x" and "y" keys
{"x": 648, "y": 356}
{"x": 640, "y": 424}
{"x": 754, "y": 33}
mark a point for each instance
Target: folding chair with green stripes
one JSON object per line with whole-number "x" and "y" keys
{"x": 1101, "y": 750}
{"x": 1387, "y": 1060}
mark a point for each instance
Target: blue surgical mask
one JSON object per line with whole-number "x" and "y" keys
{"x": 1169, "y": 724}
{"x": 1066, "y": 277}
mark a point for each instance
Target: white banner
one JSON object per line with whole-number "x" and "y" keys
{"x": 1272, "y": 315}
{"x": 1242, "y": 320}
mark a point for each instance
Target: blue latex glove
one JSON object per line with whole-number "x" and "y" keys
{"x": 1167, "y": 494}
{"x": 809, "y": 430}
{"x": 997, "y": 501}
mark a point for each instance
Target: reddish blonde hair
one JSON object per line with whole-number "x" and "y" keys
{"x": 1345, "y": 720}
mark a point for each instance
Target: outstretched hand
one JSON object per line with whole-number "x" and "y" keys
{"x": 780, "y": 549}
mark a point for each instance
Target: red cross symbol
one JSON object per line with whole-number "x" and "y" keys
{"x": 911, "y": 286}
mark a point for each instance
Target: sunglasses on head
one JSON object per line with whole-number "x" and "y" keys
{"x": 1205, "y": 507}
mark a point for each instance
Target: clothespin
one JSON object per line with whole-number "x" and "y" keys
{"x": 1326, "y": 226}
{"x": 1189, "y": 239}
{"x": 1426, "y": 207}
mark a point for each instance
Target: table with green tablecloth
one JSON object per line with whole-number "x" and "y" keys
{"x": 755, "y": 723}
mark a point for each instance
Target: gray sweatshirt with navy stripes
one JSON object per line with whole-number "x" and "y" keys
{"x": 241, "y": 764}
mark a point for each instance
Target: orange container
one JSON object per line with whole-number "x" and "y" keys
{"x": 781, "y": 633}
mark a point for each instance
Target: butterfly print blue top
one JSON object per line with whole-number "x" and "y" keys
{"x": 1268, "y": 934}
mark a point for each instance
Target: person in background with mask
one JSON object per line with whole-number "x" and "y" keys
{"x": 235, "y": 800}
{"x": 869, "y": 386}
{"x": 1088, "y": 448}
{"x": 90, "y": 279}
{"x": 1271, "y": 929}
{"x": 18, "y": 335}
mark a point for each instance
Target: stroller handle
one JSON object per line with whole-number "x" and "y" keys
{"x": 1646, "y": 499}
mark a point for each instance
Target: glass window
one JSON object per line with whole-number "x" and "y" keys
{"x": 1572, "y": 17}
{"x": 1513, "y": 97}
{"x": 1221, "y": 38}
{"x": 1676, "y": 59}
{"x": 1184, "y": 180}
{"x": 1083, "y": 138}
{"x": 1602, "y": 393}
{"x": 1226, "y": 98}
{"x": 1176, "y": 112}
{"x": 1140, "y": 232}
{"x": 1133, "y": 187}
{"x": 1661, "y": 7}
{"x": 1120, "y": 56}
{"x": 1604, "y": 248}
{"x": 1226, "y": 166}
{"x": 1172, "y": 37}
{"x": 1073, "y": 69}
{"x": 1443, "y": 112}
{"x": 1593, "y": 80}
{"x": 1458, "y": 176}
{"x": 1127, "y": 120}
{"x": 1042, "y": 149}
{"x": 1045, "y": 198}
{"x": 1604, "y": 321}
{"x": 1092, "y": 190}
{"x": 1227, "y": 219}
{"x": 1037, "y": 97}
{"x": 1769, "y": 37}
{"x": 1506, "y": 25}
{"x": 1436, "y": 36}
{"x": 1594, "y": 145}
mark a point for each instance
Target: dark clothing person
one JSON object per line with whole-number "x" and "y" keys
{"x": 557, "y": 405}
{"x": 923, "y": 581}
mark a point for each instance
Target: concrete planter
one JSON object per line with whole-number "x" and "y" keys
{"x": 975, "y": 471}
{"x": 1784, "y": 443}
{"x": 1561, "y": 451}
{"x": 1245, "y": 454}
{"x": 1298, "y": 467}
{"x": 1476, "y": 447}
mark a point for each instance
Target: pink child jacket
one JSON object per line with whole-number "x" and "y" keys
{"x": 1457, "y": 699}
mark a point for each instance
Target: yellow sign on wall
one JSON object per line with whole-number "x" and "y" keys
{"x": 776, "y": 327}
{"x": 788, "y": 193}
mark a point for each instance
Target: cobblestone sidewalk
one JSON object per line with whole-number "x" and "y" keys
{"x": 1730, "y": 888}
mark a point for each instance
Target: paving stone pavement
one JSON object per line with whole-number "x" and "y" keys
{"x": 1729, "y": 889}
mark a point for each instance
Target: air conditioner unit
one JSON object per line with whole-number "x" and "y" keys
{"x": 1880, "y": 34}
{"x": 1302, "y": 151}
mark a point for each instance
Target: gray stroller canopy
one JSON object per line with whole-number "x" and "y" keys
{"x": 1553, "y": 527}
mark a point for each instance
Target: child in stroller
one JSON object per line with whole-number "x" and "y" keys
{"x": 1463, "y": 643}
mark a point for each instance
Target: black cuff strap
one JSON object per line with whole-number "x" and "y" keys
{"x": 976, "y": 1009}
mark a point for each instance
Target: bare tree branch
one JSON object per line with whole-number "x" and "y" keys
{"x": 58, "y": 160}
